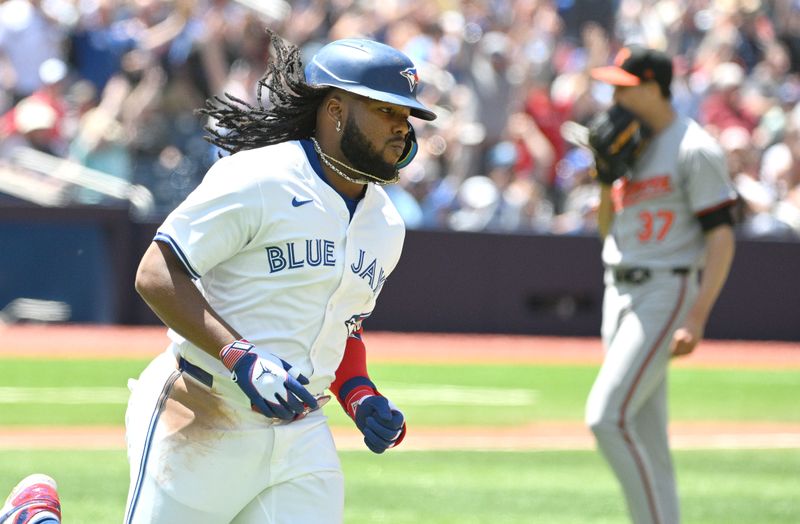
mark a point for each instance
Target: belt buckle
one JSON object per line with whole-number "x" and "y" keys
{"x": 637, "y": 275}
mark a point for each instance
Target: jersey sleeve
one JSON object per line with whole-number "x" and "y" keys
{"x": 216, "y": 221}
{"x": 708, "y": 185}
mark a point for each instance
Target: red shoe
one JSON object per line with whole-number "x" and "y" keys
{"x": 31, "y": 501}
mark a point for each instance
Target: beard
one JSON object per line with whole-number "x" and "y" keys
{"x": 361, "y": 155}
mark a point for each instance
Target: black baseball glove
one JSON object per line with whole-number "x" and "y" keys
{"x": 616, "y": 138}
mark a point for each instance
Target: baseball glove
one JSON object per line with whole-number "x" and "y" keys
{"x": 616, "y": 138}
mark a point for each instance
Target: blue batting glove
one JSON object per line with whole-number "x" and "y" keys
{"x": 379, "y": 421}
{"x": 274, "y": 388}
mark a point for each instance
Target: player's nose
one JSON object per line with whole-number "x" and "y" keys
{"x": 400, "y": 127}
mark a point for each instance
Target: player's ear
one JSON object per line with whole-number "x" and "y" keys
{"x": 334, "y": 108}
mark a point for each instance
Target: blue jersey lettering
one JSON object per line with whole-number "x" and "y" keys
{"x": 295, "y": 255}
{"x": 368, "y": 272}
{"x": 330, "y": 255}
{"x": 293, "y": 262}
{"x": 314, "y": 252}
{"x": 276, "y": 259}
{"x": 357, "y": 266}
{"x": 381, "y": 280}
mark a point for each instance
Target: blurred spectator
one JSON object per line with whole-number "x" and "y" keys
{"x": 537, "y": 155}
{"x": 101, "y": 145}
{"x": 478, "y": 200}
{"x": 547, "y": 118}
{"x": 581, "y": 194}
{"x": 786, "y": 15}
{"x": 490, "y": 101}
{"x": 577, "y": 13}
{"x": 33, "y": 125}
{"x": 502, "y": 160}
{"x": 52, "y": 73}
{"x": 406, "y": 204}
{"x": 758, "y": 198}
{"x": 28, "y": 37}
{"x": 522, "y": 204}
{"x": 114, "y": 86}
{"x": 723, "y": 106}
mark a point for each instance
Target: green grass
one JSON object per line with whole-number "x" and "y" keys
{"x": 721, "y": 487}
{"x": 558, "y": 487}
{"x": 94, "y": 392}
{"x": 564, "y": 487}
{"x": 93, "y": 484}
{"x": 76, "y": 379}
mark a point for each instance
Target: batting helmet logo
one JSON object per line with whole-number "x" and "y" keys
{"x": 411, "y": 75}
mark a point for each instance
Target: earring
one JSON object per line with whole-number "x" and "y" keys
{"x": 338, "y": 126}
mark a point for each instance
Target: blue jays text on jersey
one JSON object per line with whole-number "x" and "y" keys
{"x": 316, "y": 252}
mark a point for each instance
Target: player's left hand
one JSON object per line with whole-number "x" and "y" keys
{"x": 382, "y": 424}
{"x": 616, "y": 137}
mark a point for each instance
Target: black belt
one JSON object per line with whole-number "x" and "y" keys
{"x": 640, "y": 275}
{"x": 200, "y": 374}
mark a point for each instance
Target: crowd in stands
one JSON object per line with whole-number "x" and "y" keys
{"x": 113, "y": 84}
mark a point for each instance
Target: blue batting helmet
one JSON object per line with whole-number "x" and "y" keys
{"x": 369, "y": 69}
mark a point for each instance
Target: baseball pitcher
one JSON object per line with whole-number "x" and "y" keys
{"x": 665, "y": 215}
{"x": 264, "y": 275}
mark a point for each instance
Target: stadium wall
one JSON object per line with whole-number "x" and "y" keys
{"x": 445, "y": 282}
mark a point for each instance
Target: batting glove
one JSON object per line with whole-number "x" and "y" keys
{"x": 378, "y": 419}
{"x": 274, "y": 388}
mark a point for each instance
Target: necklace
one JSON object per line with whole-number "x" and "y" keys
{"x": 328, "y": 161}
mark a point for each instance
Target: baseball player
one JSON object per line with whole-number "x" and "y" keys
{"x": 264, "y": 275}
{"x": 665, "y": 216}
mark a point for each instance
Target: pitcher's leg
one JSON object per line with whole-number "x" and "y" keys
{"x": 623, "y": 448}
{"x": 652, "y": 426}
{"x": 633, "y": 370}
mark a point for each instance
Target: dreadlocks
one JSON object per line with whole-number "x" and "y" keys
{"x": 291, "y": 114}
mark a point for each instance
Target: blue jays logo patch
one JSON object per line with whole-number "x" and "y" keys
{"x": 354, "y": 325}
{"x": 411, "y": 75}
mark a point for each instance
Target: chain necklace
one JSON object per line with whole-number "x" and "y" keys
{"x": 328, "y": 161}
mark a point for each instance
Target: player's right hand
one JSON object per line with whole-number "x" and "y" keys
{"x": 274, "y": 388}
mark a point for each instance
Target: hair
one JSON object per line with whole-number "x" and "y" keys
{"x": 666, "y": 90}
{"x": 290, "y": 115}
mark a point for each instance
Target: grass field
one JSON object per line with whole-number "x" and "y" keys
{"x": 544, "y": 486}
{"x": 86, "y": 392}
{"x": 558, "y": 487}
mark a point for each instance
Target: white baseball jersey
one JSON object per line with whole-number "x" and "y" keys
{"x": 276, "y": 252}
{"x": 278, "y": 256}
{"x": 681, "y": 175}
